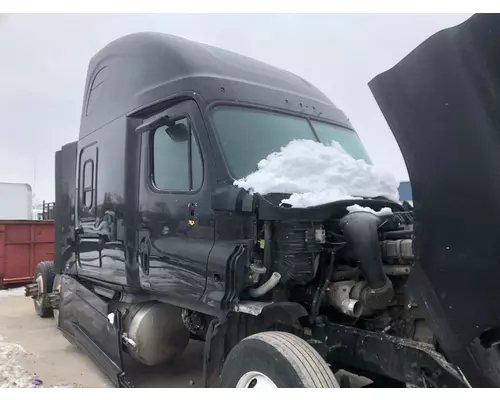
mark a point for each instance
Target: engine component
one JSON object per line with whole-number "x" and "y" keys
{"x": 266, "y": 286}
{"x": 196, "y": 323}
{"x": 372, "y": 299}
{"x": 398, "y": 251}
{"x": 346, "y": 273}
{"x": 339, "y": 296}
{"x": 320, "y": 292}
{"x": 398, "y": 234}
{"x": 360, "y": 229}
{"x": 156, "y": 332}
{"x": 255, "y": 271}
{"x": 397, "y": 220}
{"x": 297, "y": 245}
{"x": 320, "y": 235}
{"x": 423, "y": 333}
{"x": 397, "y": 270}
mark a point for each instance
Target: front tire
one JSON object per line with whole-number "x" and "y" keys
{"x": 276, "y": 360}
{"x": 44, "y": 277}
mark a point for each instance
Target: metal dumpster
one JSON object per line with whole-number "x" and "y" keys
{"x": 23, "y": 244}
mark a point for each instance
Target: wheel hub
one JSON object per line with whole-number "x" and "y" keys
{"x": 255, "y": 380}
{"x": 39, "y": 283}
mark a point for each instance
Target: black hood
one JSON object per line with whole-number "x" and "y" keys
{"x": 442, "y": 103}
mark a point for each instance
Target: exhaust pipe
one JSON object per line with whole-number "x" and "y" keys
{"x": 360, "y": 229}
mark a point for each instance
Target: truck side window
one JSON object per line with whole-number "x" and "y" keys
{"x": 176, "y": 158}
{"x": 88, "y": 183}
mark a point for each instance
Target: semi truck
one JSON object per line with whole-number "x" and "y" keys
{"x": 155, "y": 245}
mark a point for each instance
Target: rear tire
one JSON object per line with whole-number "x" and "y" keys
{"x": 44, "y": 276}
{"x": 276, "y": 359}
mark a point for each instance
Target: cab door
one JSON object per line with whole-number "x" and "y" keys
{"x": 176, "y": 229}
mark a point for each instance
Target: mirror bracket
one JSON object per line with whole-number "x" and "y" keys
{"x": 154, "y": 123}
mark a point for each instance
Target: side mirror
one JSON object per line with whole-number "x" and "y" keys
{"x": 178, "y": 132}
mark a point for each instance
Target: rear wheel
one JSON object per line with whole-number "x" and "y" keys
{"x": 44, "y": 278}
{"x": 276, "y": 360}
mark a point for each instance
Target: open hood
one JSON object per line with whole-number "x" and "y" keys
{"x": 442, "y": 103}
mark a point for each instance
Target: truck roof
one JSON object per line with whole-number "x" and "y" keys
{"x": 140, "y": 69}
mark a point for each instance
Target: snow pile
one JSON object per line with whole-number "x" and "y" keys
{"x": 12, "y": 374}
{"x": 12, "y": 292}
{"x": 314, "y": 174}
{"x": 357, "y": 207}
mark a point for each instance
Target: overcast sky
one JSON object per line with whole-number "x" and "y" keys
{"x": 43, "y": 60}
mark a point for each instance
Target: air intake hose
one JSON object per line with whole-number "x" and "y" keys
{"x": 360, "y": 230}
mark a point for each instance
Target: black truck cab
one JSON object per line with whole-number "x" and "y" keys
{"x": 167, "y": 126}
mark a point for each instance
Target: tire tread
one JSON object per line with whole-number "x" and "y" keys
{"x": 46, "y": 269}
{"x": 310, "y": 366}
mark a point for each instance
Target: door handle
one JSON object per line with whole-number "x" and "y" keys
{"x": 144, "y": 254}
{"x": 145, "y": 262}
{"x": 78, "y": 231}
{"x": 191, "y": 209}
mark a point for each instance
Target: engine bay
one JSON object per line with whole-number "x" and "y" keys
{"x": 352, "y": 269}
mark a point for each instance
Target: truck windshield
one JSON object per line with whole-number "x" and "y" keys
{"x": 248, "y": 136}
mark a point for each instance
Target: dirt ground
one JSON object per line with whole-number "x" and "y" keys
{"x": 33, "y": 347}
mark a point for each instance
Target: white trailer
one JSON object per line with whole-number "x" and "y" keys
{"x": 15, "y": 201}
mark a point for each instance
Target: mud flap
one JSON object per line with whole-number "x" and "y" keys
{"x": 83, "y": 319}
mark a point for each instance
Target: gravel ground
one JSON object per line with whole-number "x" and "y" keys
{"x": 32, "y": 347}
{"x": 15, "y": 292}
{"x": 12, "y": 371}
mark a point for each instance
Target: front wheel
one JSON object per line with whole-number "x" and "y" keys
{"x": 276, "y": 360}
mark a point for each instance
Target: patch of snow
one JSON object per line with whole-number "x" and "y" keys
{"x": 12, "y": 292}
{"x": 310, "y": 199}
{"x": 357, "y": 207}
{"x": 12, "y": 373}
{"x": 315, "y": 174}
